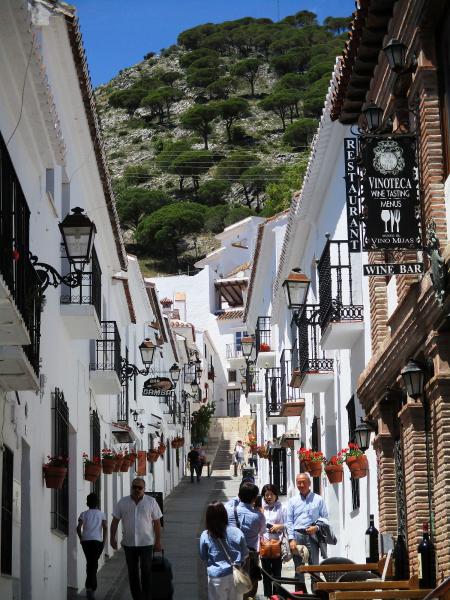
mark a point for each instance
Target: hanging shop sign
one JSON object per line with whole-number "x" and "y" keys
{"x": 387, "y": 269}
{"x": 351, "y": 188}
{"x": 157, "y": 386}
{"x": 390, "y": 193}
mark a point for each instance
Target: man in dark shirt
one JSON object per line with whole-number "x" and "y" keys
{"x": 195, "y": 464}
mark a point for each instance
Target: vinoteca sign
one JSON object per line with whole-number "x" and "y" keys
{"x": 390, "y": 193}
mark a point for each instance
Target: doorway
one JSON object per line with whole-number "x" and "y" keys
{"x": 233, "y": 401}
{"x": 25, "y": 525}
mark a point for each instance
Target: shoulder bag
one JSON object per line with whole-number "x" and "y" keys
{"x": 241, "y": 580}
{"x": 269, "y": 548}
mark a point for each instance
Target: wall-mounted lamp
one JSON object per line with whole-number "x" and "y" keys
{"x": 134, "y": 414}
{"x": 129, "y": 370}
{"x": 363, "y": 432}
{"x": 395, "y": 52}
{"x": 296, "y": 288}
{"x": 141, "y": 428}
{"x": 175, "y": 373}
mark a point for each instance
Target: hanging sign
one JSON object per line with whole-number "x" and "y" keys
{"x": 390, "y": 204}
{"x": 351, "y": 188}
{"x": 157, "y": 386}
{"x": 141, "y": 468}
{"x": 387, "y": 269}
{"x": 159, "y": 393}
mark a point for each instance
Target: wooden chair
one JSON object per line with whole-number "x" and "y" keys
{"x": 380, "y": 568}
{"x": 406, "y": 594}
{"x": 368, "y": 585}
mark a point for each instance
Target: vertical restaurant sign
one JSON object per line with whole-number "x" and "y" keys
{"x": 141, "y": 463}
{"x": 351, "y": 188}
{"x": 390, "y": 189}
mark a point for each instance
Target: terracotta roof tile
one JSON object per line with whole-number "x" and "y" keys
{"x": 239, "y": 268}
{"x": 259, "y": 238}
{"x": 231, "y": 314}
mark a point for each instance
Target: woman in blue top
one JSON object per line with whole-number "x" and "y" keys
{"x": 219, "y": 543}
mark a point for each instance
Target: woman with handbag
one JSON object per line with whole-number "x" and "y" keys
{"x": 224, "y": 550}
{"x": 270, "y": 542}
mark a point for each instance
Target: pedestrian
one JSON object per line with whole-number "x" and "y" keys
{"x": 202, "y": 456}
{"x": 92, "y": 531}
{"x": 252, "y": 523}
{"x": 253, "y": 459}
{"x": 195, "y": 465}
{"x": 275, "y": 515}
{"x": 239, "y": 454}
{"x": 303, "y": 511}
{"x": 221, "y": 546}
{"x": 140, "y": 516}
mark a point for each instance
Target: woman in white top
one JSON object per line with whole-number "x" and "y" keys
{"x": 92, "y": 530}
{"x": 275, "y": 515}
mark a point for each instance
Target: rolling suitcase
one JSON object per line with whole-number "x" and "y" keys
{"x": 162, "y": 586}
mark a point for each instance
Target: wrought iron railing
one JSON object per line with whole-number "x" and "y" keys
{"x": 90, "y": 289}
{"x": 263, "y": 335}
{"x": 15, "y": 266}
{"x": 336, "y": 285}
{"x": 273, "y": 391}
{"x": 288, "y": 362}
{"x": 233, "y": 351}
{"x": 254, "y": 382}
{"x": 107, "y": 349}
{"x": 60, "y": 497}
{"x": 311, "y": 357}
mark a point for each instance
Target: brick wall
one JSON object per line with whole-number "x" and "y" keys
{"x": 387, "y": 501}
{"x": 378, "y": 304}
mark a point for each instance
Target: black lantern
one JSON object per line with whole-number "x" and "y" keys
{"x": 134, "y": 414}
{"x": 78, "y": 233}
{"x": 395, "y": 52}
{"x": 362, "y": 434}
{"x": 247, "y": 345}
{"x": 296, "y": 288}
{"x": 373, "y": 115}
{"x": 413, "y": 378}
{"x": 244, "y": 386}
{"x": 141, "y": 428}
{"x": 175, "y": 373}
{"x": 195, "y": 387}
{"x": 147, "y": 350}
{"x": 198, "y": 367}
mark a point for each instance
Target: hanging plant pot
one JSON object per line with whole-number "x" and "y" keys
{"x": 126, "y": 464}
{"x": 335, "y": 473}
{"x": 358, "y": 466}
{"x": 314, "y": 468}
{"x": 119, "y": 461}
{"x": 108, "y": 465}
{"x": 92, "y": 472}
{"x": 54, "y": 477}
{"x": 152, "y": 456}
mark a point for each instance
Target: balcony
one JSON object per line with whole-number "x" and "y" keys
{"x": 291, "y": 403}
{"x": 105, "y": 370}
{"x": 341, "y": 320}
{"x": 234, "y": 355}
{"x": 265, "y": 355}
{"x": 273, "y": 397}
{"x": 255, "y": 393}
{"x": 81, "y": 306}
{"x": 315, "y": 370}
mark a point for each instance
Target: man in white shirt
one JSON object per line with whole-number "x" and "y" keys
{"x": 140, "y": 516}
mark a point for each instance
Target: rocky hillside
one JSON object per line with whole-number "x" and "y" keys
{"x": 215, "y": 128}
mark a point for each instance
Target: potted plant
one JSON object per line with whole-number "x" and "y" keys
{"x": 92, "y": 468}
{"x": 108, "y": 461}
{"x": 128, "y": 460}
{"x": 153, "y": 455}
{"x": 312, "y": 461}
{"x": 119, "y": 461}
{"x": 356, "y": 461}
{"x": 201, "y": 421}
{"x": 55, "y": 471}
{"x": 262, "y": 451}
{"x": 264, "y": 347}
{"x": 334, "y": 468}
{"x": 161, "y": 448}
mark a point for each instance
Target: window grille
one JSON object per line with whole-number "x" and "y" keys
{"x": 95, "y": 450}
{"x": 315, "y": 445}
{"x": 60, "y": 498}
{"x": 351, "y": 416}
{"x": 123, "y": 398}
{"x": 7, "y": 508}
{"x": 232, "y": 376}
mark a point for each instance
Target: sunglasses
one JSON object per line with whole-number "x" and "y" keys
{"x": 137, "y": 487}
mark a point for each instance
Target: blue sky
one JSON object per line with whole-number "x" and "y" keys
{"x": 117, "y": 33}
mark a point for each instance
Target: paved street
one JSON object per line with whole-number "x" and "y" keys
{"x": 183, "y": 522}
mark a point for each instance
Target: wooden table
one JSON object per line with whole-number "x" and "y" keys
{"x": 368, "y": 585}
{"x": 381, "y": 594}
{"x": 346, "y": 567}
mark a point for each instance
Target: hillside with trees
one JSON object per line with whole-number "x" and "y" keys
{"x": 215, "y": 128}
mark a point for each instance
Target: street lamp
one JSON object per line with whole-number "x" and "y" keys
{"x": 247, "y": 345}
{"x": 78, "y": 233}
{"x": 362, "y": 434}
{"x": 395, "y": 52}
{"x": 175, "y": 373}
{"x": 373, "y": 115}
{"x": 129, "y": 370}
{"x": 147, "y": 350}
{"x": 296, "y": 288}
{"x": 141, "y": 428}
{"x": 413, "y": 378}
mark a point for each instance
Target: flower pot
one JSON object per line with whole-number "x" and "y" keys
{"x": 92, "y": 472}
{"x": 108, "y": 465}
{"x": 54, "y": 477}
{"x": 126, "y": 464}
{"x": 335, "y": 473}
{"x": 153, "y": 455}
{"x": 119, "y": 461}
{"x": 314, "y": 468}
{"x": 358, "y": 466}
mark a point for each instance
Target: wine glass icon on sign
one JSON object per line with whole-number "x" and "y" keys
{"x": 397, "y": 216}
{"x": 386, "y": 217}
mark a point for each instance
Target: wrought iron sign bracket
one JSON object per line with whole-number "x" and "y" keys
{"x": 439, "y": 271}
{"x": 48, "y": 275}
{"x": 128, "y": 371}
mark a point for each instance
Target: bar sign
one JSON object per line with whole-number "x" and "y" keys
{"x": 351, "y": 188}
{"x": 387, "y": 269}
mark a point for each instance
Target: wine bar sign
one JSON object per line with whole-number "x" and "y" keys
{"x": 390, "y": 193}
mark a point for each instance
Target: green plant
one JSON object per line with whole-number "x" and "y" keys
{"x": 56, "y": 461}
{"x": 201, "y": 421}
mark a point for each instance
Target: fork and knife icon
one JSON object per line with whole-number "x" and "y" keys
{"x": 392, "y": 216}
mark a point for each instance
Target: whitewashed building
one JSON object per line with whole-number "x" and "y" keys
{"x": 64, "y": 361}
{"x": 304, "y": 387}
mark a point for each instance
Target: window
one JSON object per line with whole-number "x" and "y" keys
{"x": 60, "y": 498}
{"x": 237, "y": 339}
{"x": 351, "y": 417}
{"x": 232, "y": 376}
{"x": 95, "y": 449}
{"x": 315, "y": 445}
{"x": 233, "y": 400}
{"x": 7, "y": 508}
